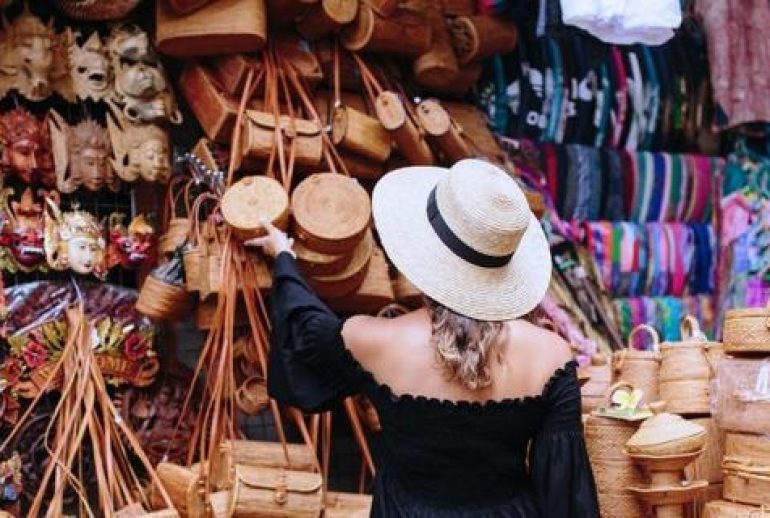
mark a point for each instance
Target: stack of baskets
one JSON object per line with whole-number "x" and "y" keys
{"x": 687, "y": 372}
{"x": 614, "y": 471}
{"x": 742, "y": 410}
{"x": 335, "y": 247}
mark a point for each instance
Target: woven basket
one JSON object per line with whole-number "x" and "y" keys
{"x": 251, "y": 396}
{"x": 708, "y": 466}
{"x": 747, "y": 330}
{"x": 743, "y": 396}
{"x": 620, "y": 505}
{"x": 594, "y": 392}
{"x": 725, "y": 509}
{"x": 350, "y": 279}
{"x": 606, "y": 438}
{"x": 175, "y": 235}
{"x": 755, "y": 449}
{"x": 312, "y": 263}
{"x": 161, "y": 301}
{"x": 375, "y": 292}
{"x": 95, "y": 10}
{"x": 347, "y": 505}
{"x": 640, "y": 368}
{"x": 696, "y": 508}
{"x": 746, "y": 487}
{"x": 253, "y": 199}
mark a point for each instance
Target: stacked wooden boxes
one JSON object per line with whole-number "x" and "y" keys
{"x": 743, "y": 412}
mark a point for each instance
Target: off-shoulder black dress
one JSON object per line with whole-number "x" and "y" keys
{"x": 513, "y": 458}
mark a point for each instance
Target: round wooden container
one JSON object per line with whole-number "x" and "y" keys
{"x": 438, "y": 125}
{"x": 325, "y": 17}
{"x": 315, "y": 263}
{"x": 360, "y": 133}
{"x": 439, "y": 62}
{"x": 406, "y": 32}
{"x": 478, "y": 37}
{"x": 331, "y": 213}
{"x": 253, "y": 199}
{"x": 350, "y": 279}
{"x": 409, "y": 140}
{"x": 747, "y": 330}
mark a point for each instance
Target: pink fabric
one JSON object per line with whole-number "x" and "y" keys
{"x": 569, "y": 330}
{"x": 739, "y": 53}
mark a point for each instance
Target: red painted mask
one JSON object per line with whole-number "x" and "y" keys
{"x": 27, "y": 148}
{"x": 130, "y": 247}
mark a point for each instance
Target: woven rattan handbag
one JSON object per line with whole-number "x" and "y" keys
{"x": 640, "y": 368}
{"x": 743, "y": 395}
{"x": 260, "y": 132}
{"x": 747, "y": 330}
{"x": 163, "y": 295}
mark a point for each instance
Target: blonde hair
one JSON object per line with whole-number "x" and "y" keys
{"x": 463, "y": 344}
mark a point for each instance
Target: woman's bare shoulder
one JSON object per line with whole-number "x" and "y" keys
{"x": 544, "y": 350}
{"x": 371, "y": 339}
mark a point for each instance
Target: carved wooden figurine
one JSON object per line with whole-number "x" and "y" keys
{"x": 90, "y": 71}
{"x": 74, "y": 240}
{"x": 26, "y": 144}
{"x": 141, "y": 150}
{"x": 21, "y": 233}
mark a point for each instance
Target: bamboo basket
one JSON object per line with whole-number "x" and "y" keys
{"x": 214, "y": 109}
{"x": 405, "y": 32}
{"x": 253, "y": 199}
{"x": 409, "y": 139}
{"x": 349, "y": 280}
{"x": 331, "y": 213}
{"x": 358, "y": 132}
{"x": 708, "y": 466}
{"x": 478, "y": 37}
{"x": 259, "y": 137}
{"x": 231, "y": 70}
{"x": 743, "y": 396}
{"x": 162, "y": 301}
{"x": 259, "y": 453}
{"x": 606, "y": 439}
{"x": 640, "y": 368}
{"x": 620, "y": 505}
{"x": 184, "y": 487}
{"x": 747, "y": 330}
{"x": 251, "y": 397}
{"x": 313, "y": 263}
{"x": 222, "y": 27}
{"x": 439, "y": 62}
{"x": 454, "y": 85}
{"x": 375, "y": 292}
{"x": 752, "y": 449}
{"x": 594, "y": 392}
{"x": 262, "y": 492}
{"x": 326, "y": 17}
{"x": 474, "y": 125}
{"x": 725, "y": 509}
{"x": 347, "y": 505}
{"x": 440, "y": 128}
{"x": 747, "y": 487}
{"x": 711, "y": 493}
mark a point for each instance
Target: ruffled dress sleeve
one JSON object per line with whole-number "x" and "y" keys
{"x": 559, "y": 465}
{"x": 309, "y": 366}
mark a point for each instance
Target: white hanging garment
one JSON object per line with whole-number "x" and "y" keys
{"x": 625, "y": 22}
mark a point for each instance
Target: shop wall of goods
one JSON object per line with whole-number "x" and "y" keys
{"x": 142, "y": 142}
{"x": 652, "y": 162}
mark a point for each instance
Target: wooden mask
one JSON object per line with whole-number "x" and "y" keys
{"x": 22, "y": 230}
{"x": 131, "y": 246}
{"x": 141, "y": 89}
{"x": 73, "y": 240}
{"x": 82, "y": 155}
{"x": 27, "y": 147}
{"x": 141, "y": 150}
{"x": 32, "y": 58}
{"x": 90, "y": 70}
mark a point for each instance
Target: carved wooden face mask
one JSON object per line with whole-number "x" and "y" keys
{"x": 130, "y": 247}
{"x": 23, "y": 233}
{"x": 90, "y": 69}
{"x": 27, "y": 147}
{"x": 141, "y": 89}
{"x": 73, "y": 240}
{"x": 31, "y": 60}
{"x": 82, "y": 155}
{"x": 141, "y": 151}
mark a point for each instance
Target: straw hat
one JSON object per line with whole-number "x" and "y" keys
{"x": 465, "y": 237}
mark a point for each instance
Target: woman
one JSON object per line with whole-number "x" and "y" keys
{"x": 480, "y": 410}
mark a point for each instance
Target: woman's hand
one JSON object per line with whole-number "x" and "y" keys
{"x": 275, "y": 242}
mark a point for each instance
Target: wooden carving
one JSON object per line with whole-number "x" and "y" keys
{"x": 32, "y": 57}
{"x": 26, "y": 147}
{"x": 74, "y": 240}
{"x": 21, "y": 234}
{"x": 130, "y": 246}
{"x": 141, "y": 150}
{"x": 90, "y": 71}
{"x": 141, "y": 90}
{"x": 81, "y": 155}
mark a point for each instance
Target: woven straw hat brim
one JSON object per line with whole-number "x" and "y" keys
{"x": 399, "y": 209}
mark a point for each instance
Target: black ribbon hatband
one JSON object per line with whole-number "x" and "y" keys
{"x": 457, "y": 245}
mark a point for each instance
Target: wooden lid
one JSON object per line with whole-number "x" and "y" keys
{"x": 318, "y": 263}
{"x": 252, "y": 199}
{"x": 433, "y": 117}
{"x": 390, "y": 110}
{"x": 356, "y": 35}
{"x": 341, "y": 11}
{"x": 331, "y": 207}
